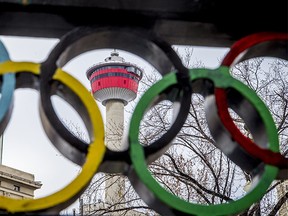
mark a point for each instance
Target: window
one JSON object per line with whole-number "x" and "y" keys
{"x": 16, "y": 188}
{"x": 134, "y": 70}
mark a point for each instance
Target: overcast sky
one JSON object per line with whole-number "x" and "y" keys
{"x": 26, "y": 146}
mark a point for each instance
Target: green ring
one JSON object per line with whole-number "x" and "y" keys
{"x": 221, "y": 78}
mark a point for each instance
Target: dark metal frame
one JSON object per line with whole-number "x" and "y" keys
{"x": 213, "y": 23}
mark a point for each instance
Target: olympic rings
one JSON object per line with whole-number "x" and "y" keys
{"x": 166, "y": 203}
{"x": 66, "y": 196}
{"x": 265, "y": 44}
{"x": 149, "y": 46}
{"x": 7, "y": 89}
{"x": 260, "y": 157}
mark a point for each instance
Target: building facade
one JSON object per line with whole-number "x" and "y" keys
{"x": 282, "y": 189}
{"x": 17, "y": 184}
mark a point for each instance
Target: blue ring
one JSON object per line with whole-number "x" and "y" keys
{"x": 7, "y": 91}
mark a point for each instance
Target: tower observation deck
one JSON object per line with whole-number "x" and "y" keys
{"x": 114, "y": 79}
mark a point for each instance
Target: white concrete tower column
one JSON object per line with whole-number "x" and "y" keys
{"x": 115, "y": 186}
{"x": 114, "y": 124}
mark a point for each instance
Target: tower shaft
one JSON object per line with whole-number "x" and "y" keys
{"x": 115, "y": 186}
{"x": 114, "y": 125}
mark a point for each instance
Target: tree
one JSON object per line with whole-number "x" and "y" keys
{"x": 268, "y": 78}
{"x": 193, "y": 168}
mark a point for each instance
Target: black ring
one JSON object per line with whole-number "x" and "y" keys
{"x": 147, "y": 45}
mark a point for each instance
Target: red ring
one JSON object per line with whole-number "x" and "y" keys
{"x": 243, "y": 44}
{"x": 265, "y": 155}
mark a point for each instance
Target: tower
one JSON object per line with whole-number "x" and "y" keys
{"x": 114, "y": 83}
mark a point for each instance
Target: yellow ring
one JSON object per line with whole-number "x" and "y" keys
{"x": 16, "y": 67}
{"x": 94, "y": 157}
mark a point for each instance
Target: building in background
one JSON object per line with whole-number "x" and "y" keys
{"x": 114, "y": 83}
{"x": 282, "y": 189}
{"x": 17, "y": 184}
